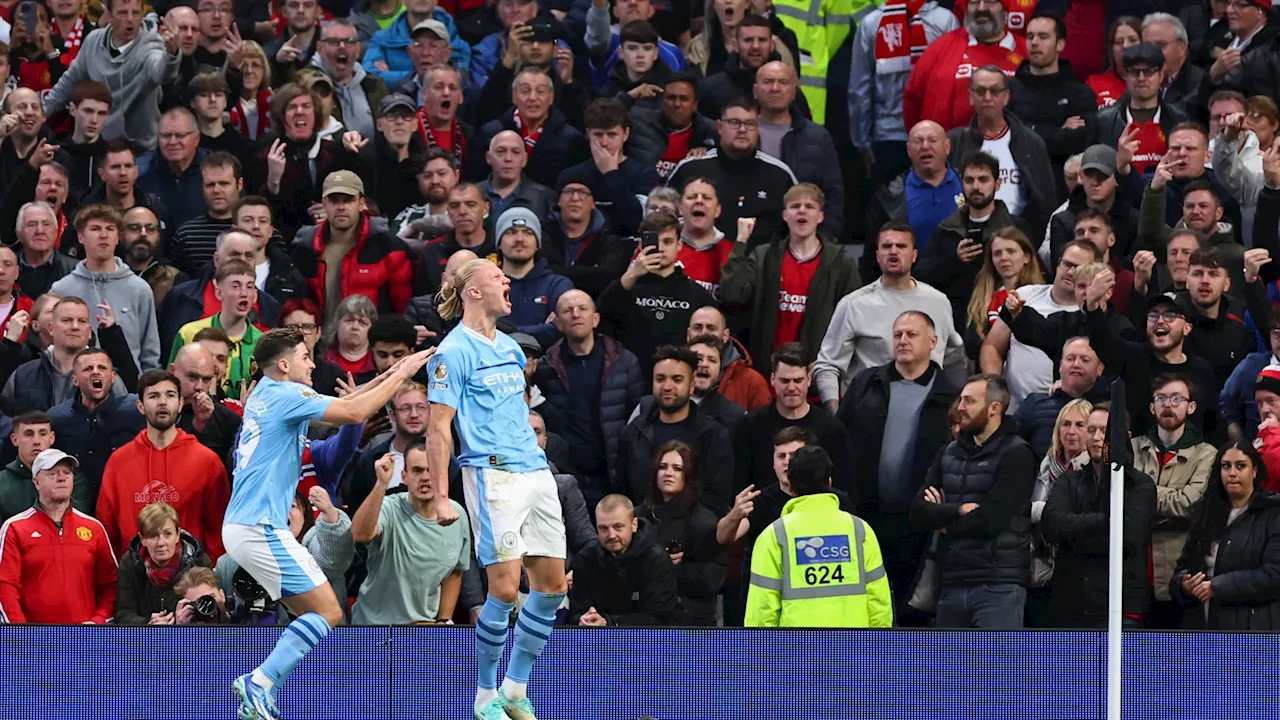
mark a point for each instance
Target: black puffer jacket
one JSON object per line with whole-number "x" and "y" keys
{"x": 710, "y": 441}
{"x": 1114, "y": 119}
{"x": 137, "y": 598}
{"x": 648, "y": 141}
{"x": 608, "y": 582}
{"x": 991, "y": 544}
{"x": 701, "y": 571}
{"x": 1246, "y": 572}
{"x": 1076, "y": 520}
{"x": 621, "y": 387}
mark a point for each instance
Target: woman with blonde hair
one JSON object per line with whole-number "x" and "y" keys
{"x": 157, "y": 558}
{"x": 251, "y": 112}
{"x": 1066, "y": 452}
{"x": 1009, "y": 262}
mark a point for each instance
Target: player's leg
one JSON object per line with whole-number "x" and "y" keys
{"x": 543, "y": 536}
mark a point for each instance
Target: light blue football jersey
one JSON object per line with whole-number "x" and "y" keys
{"x": 269, "y": 452}
{"x": 483, "y": 381}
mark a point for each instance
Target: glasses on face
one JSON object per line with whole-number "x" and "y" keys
{"x": 140, "y": 227}
{"x": 576, "y": 192}
{"x": 348, "y": 42}
{"x": 1142, "y": 72}
{"x": 736, "y": 124}
{"x": 1170, "y": 400}
{"x": 1240, "y": 5}
{"x": 1167, "y": 316}
{"x": 172, "y": 136}
{"x": 986, "y": 91}
{"x": 304, "y": 328}
{"x": 420, "y": 408}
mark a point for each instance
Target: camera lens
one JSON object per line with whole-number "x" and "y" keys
{"x": 205, "y": 606}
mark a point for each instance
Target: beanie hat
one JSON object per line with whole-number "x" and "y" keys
{"x": 1268, "y": 379}
{"x": 518, "y": 217}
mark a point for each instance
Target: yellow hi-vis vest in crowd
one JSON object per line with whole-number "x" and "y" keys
{"x": 818, "y": 566}
{"x": 821, "y": 26}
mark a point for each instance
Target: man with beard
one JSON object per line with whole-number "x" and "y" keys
{"x": 861, "y": 331}
{"x": 756, "y": 46}
{"x": 421, "y": 223}
{"x": 213, "y": 423}
{"x": 979, "y": 491}
{"x": 415, "y": 564}
{"x": 163, "y": 464}
{"x": 578, "y": 246}
{"x": 48, "y": 379}
{"x": 509, "y": 184}
{"x": 409, "y": 423}
{"x": 665, "y": 136}
{"x": 96, "y": 422}
{"x": 939, "y": 86}
{"x": 1175, "y": 455}
{"x": 358, "y": 92}
{"x": 467, "y": 208}
{"x": 1076, "y": 518}
{"x": 739, "y": 380}
{"x": 234, "y": 284}
{"x": 274, "y": 272}
{"x": 1078, "y": 373}
{"x": 792, "y": 285}
{"x": 1027, "y": 186}
{"x": 1221, "y": 338}
{"x": 650, "y": 305}
{"x": 751, "y": 182}
{"x": 105, "y": 280}
{"x": 674, "y": 416}
{"x": 1164, "y": 352}
{"x": 952, "y": 258}
{"x": 706, "y": 379}
{"x": 703, "y": 248}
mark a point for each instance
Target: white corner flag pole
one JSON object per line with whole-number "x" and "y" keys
{"x": 1115, "y": 569}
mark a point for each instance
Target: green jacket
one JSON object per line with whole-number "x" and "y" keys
{"x": 1154, "y": 234}
{"x": 18, "y": 492}
{"x": 752, "y": 279}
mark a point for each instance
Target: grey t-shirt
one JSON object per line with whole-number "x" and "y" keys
{"x": 771, "y": 135}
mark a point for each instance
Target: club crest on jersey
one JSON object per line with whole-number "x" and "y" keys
{"x": 84, "y": 533}
{"x": 441, "y": 371}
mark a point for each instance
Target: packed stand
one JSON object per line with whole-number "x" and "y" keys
{"x": 750, "y": 419}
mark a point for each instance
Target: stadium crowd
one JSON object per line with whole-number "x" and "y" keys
{"x": 1051, "y": 195}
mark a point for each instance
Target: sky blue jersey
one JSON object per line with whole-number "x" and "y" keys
{"x": 269, "y": 452}
{"x": 483, "y": 381}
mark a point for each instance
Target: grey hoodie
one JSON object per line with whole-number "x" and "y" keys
{"x": 131, "y": 300}
{"x": 136, "y": 78}
{"x": 356, "y": 113}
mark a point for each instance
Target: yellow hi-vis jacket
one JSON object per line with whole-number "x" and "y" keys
{"x": 818, "y": 566}
{"x": 821, "y": 26}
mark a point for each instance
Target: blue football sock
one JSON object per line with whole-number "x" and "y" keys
{"x": 491, "y": 640}
{"x": 533, "y": 627}
{"x": 300, "y": 638}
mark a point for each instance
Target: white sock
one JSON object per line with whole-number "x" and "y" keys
{"x": 512, "y": 690}
{"x": 261, "y": 680}
{"x": 484, "y": 696}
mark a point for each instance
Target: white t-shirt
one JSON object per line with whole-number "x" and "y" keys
{"x": 1028, "y": 369}
{"x": 250, "y": 110}
{"x": 1012, "y": 190}
{"x": 261, "y": 272}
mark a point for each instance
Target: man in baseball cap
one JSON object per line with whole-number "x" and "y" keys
{"x": 534, "y": 288}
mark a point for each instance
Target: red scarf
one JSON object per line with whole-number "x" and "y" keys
{"x": 457, "y": 143}
{"x": 73, "y": 39}
{"x": 240, "y": 122}
{"x": 901, "y": 38}
{"x": 62, "y": 227}
{"x": 530, "y": 138}
{"x": 161, "y": 576}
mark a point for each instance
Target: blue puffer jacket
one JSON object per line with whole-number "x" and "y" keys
{"x": 533, "y": 297}
{"x": 1235, "y": 402}
{"x": 621, "y": 388}
{"x": 392, "y": 47}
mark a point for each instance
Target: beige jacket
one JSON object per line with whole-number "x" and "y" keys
{"x": 1179, "y": 486}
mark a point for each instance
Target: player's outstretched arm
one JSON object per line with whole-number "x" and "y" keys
{"x": 361, "y": 406}
{"x": 439, "y": 444}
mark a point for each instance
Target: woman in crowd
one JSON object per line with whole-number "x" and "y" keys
{"x": 687, "y": 531}
{"x": 1237, "y": 156}
{"x": 251, "y": 113}
{"x": 1262, "y": 119}
{"x": 1066, "y": 452}
{"x": 157, "y": 557}
{"x": 303, "y": 315}
{"x": 710, "y": 49}
{"x": 1110, "y": 84}
{"x": 1229, "y": 571}
{"x": 1008, "y": 263}
{"x": 347, "y": 336}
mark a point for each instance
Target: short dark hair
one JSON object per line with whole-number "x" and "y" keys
{"x": 417, "y": 442}
{"x": 753, "y": 20}
{"x": 981, "y": 160}
{"x": 1202, "y": 185}
{"x": 392, "y": 330}
{"x": 1209, "y": 257}
{"x": 997, "y": 389}
{"x": 1193, "y": 234}
{"x": 220, "y": 159}
{"x": 640, "y": 31}
{"x": 87, "y": 352}
{"x": 257, "y": 201}
{"x": 683, "y": 76}
{"x": 901, "y": 226}
{"x": 111, "y": 147}
{"x": 791, "y": 353}
{"x": 1231, "y": 95}
{"x": 709, "y": 340}
{"x": 677, "y": 353}
{"x": 208, "y": 83}
{"x": 32, "y": 417}
{"x": 1164, "y": 379}
{"x": 605, "y": 114}
{"x": 810, "y": 470}
{"x": 1059, "y": 22}
{"x": 659, "y": 222}
{"x": 275, "y": 344}
{"x": 154, "y": 377}
{"x": 1089, "y": 213}
{"x": 437, "y": 153}
{"x": 743, "y": 102}
{"x": 1092, "y": 249}
{"x": 794, "y": 433}
{"x": 994, "y": 70}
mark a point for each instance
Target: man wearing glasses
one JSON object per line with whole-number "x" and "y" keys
{"x": 140, "y": 242}
{"x": 1185, "y": 85}
{"x": 358, "y": 92}
{"x": 1139, "y": 124}
{"x": 1251, "y": 35}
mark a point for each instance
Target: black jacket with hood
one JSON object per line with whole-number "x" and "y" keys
{"x": 701, "y": 571}
{"x": 591, "y": 261}
{"x": 609, "y": 582}
{"x": 1032, "y": 157}
{"x": 637, "y": 453}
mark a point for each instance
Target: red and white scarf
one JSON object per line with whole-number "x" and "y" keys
{"x": 73, "y": 39}
{"x": 530, "y": 138}
{"x": 240, "y": 120}
{"x": 901, "y": 38}
{"x": 457, "y": 147}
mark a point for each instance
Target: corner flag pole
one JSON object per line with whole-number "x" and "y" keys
{"x": 1117, "y": 454}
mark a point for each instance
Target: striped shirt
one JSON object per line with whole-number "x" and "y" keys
{"x": 193, "y": 244}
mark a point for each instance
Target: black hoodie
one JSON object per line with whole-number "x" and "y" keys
{"x": 608, "y": 582}
{"x": 620, "y": 85}
{"x": 1044, "y": 102}
{"x": 655, "y": 312}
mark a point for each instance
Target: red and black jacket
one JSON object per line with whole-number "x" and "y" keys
{"x": 378, "y": 267}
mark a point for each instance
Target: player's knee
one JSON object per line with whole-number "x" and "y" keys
{"x": 332, "y": 614}
{"x": 504, "y": 592}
